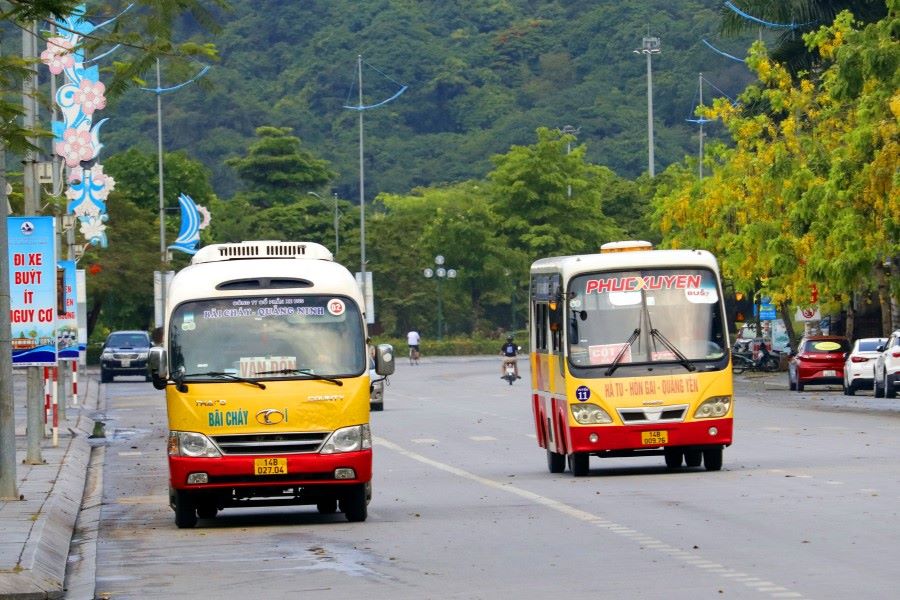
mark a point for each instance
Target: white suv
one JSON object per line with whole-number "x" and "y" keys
{"x": 887, "y": 368}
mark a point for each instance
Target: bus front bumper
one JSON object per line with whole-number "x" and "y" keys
{"x": 303, "y": 470}
{"x": 708, "y": 432}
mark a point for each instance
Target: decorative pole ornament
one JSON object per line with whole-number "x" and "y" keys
{"x": 77, "y": 136}
{"x": 193, "y": 219}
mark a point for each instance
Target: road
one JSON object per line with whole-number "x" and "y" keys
{"x": 464, "y": 507}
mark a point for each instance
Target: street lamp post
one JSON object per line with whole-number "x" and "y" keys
{"x": 649, "y": 47}
{"x": 570, "y": 130}
{"x": 439, "y": 273}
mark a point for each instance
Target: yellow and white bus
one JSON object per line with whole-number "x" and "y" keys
{"x": 630, "y": 356}
{"x": 265, "y": 363}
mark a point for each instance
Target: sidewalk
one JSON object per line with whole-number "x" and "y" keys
{"x": 35, "y": 532}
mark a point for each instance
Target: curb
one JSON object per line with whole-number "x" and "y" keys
{"x": 41, "y": 570}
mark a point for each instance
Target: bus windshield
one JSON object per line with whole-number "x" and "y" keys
{"x": 270, "y": 337}
{"x": 644, "y": 316}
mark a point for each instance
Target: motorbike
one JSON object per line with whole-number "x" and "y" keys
{"x": 509, "y": 370}
{"x": 742, "y": 360}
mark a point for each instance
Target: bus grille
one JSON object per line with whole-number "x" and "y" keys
{"x": 654, "y": 414}
{"x": 270, "y": 443}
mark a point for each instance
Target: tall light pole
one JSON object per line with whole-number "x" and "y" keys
{"x": 570, "y": 130}
{"x": 163, "y": 250}
{"x": 337, "y": 245}
{"x": 439, "y": 274}
{"x": 649, "y": 47}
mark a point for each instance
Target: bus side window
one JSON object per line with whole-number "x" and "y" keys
{"x": 541, "y": 325}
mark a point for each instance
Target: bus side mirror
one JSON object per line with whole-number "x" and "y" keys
{"x": 384, "y": 359}
{"x": 158, "y": 365}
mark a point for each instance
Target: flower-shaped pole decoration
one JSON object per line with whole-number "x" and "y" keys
{"x": 77, "y": 137}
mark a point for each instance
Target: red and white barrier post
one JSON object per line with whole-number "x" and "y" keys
{"x": 55, "y": 401}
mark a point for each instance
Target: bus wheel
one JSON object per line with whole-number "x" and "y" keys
{"x": 556, "y": 462}
{"x": 185, "y": 511}
{"x": 207, "y": 511}
{"x": 578, "y": 463}
{"x": 327, "y": 506}
{"x": 693, "y": 457}
{"x": 712, "y": 458}
{"x": 353, "y": 504}
{"x": 674, "y": 457}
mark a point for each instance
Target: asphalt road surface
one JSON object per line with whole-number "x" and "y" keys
{"x": 464, "y": 507}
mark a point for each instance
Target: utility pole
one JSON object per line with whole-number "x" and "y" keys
{"x": 700, "y": 158}
{"x": 649, "y": 47}
{"x": 34, "y": 430}
{"x": 362, "y": 195}
{"x": 7, "y": 404}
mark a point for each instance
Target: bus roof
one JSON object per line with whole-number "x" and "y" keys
{"x": 569, "y": 266}
{"x": 262, "y": 269}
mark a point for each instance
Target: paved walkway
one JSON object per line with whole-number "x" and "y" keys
{"x": 36, "y": 531}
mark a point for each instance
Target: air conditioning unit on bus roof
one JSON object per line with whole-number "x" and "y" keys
{"x": 261, "y": 249}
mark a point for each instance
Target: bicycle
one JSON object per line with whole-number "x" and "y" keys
{"x": 413, "y": 356}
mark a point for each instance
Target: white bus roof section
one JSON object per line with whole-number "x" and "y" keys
{"x": 261, "y": 249}
{"x": 200, "y": 279}
{"x": 570, "y": 266}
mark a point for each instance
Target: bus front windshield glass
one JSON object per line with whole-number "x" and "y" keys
{"x": 267, "y": 338}
{"x": 647, "y": 316}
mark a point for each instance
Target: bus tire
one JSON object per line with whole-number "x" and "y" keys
{"x": 674, "y": 457}
{"x": 712, "y": 458}
{"x": 578, "y": 463}
{"x": 693, "y": 457}
{"x": 556, "y": 462}
{"x": 185, "y": 510}
{"x": 354, "y": 504}
{"x": 207, "y": 510}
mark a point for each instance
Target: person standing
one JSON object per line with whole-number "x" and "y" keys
{"x": 412, "y": 338}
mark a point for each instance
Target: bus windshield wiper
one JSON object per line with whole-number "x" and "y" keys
{"x": 656, "y": 333}
{"x": 307, "y": 372}
{"x": 615, "y": 363}
{"x": 258, "y": 384}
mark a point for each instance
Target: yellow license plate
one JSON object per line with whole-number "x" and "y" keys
{"x": 270, "y": 466}
{"x": 654, "y": 438}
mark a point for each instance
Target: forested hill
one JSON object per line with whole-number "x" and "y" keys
{"x": 482, "y": 75}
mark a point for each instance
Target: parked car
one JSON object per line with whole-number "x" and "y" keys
{"x": 125, "y": 353}
{"x": 887, "y": 368}
{"x": 859, "y": 368}
{"x": 819, "y": 360}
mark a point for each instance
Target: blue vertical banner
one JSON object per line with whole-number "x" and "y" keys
{"x": 67, "y": 322}
{"x": 32, "y": 290}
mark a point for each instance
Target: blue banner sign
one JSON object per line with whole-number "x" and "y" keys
{"x": 32, "y": 290}
{"x": 67, "y": 322}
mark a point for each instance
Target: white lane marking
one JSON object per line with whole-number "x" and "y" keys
{"x": 424, "y": 441}
{"x": 483, "y": 438}
{"x": 136, "y": 453}
{"x": 832, "y": 482}
{"x": 577, "y": 513}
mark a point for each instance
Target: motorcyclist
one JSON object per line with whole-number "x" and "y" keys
{"x": 509, "y": 351}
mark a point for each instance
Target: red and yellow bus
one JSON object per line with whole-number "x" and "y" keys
{"x": 630, "y": 356}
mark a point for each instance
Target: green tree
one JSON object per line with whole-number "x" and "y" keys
{"x": 530, "y": 189}
{"x": 277, "y": 170}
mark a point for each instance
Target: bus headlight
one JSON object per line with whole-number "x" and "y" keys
{"x": 590, "y": 414}
{"x": 713, "y": 408}
{"x": 348, "y": 439}
{"x": 195, "y": 445}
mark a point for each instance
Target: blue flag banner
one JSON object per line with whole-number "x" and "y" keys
{"x": 32, "y": 290}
